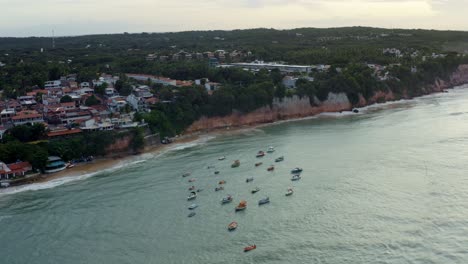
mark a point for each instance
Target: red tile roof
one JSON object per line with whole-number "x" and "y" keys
{"x": 26, "y": 114}
{"x": 64, "y": 132}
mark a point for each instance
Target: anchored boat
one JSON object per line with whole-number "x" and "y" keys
{"x": 226, "y": 199}
{"x": 255, "y": 190}
{"x": 296, "y": 170}
{"x": 232, "y": 226}
{"x": 192, "y": 196}
{"x": 279, "y": 159}
{"x": 289, "y": 192}
{"x": 271, "y": 150}
{"x": 241, "y": 206}
{"x": 235, "y": 164}
{"x": 260, "y": 154}
{"x": 296, "y": 177}
{"x": 249, "y": 248}
{"x": 264, "y": 201}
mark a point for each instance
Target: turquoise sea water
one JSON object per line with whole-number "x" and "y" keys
{"x": 387, "y": 185}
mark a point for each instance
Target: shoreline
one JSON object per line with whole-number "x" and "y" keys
{"x": 106, "y": 163}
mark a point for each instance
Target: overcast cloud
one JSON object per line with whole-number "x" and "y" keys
{"x": 78, "y": 17}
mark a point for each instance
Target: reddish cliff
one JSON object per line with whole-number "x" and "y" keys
{"x": 296, "y": 107}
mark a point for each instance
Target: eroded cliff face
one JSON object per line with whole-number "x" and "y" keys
{"x": 296, "y": 107}
{"x": 287, "y": 108}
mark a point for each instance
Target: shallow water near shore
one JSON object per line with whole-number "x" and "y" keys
{"x": 388, "y": 185}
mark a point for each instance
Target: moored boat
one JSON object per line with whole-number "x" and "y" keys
{"x": 235, "y": 164}
{"x": 192, "y": 196}
{"x": 191, "y": 180}
{"x": 222, "y": 158}
{"x": 70, "y": 165}
{"x": 226, "y": 199}
{"x": 271, "y": 150}
{"x": 271, "y": 168}
{"x": 249, "y": 248}
{"x": 222, "y": 182}
{"x": 289, "y": 192}
{"x": 192, "y": 214}
{"x": 255, "y": 190}
{"x": 191, "y": 188}
{"x": 241, "y": 206}
{"x": 258, "y": 164}
{"x": 192, "y": 206}
{"x": 296, "y": 177}
{"x": 199, "y": 190}
{"x": 260, "y": 154}
{"x": 296, "y": 170}
{"x": 186, "y": 174}
{"x": 279, "y": 159}
{"x": 216, "y": 172}
{"x": 232, "y": 226}
{"x": 220, "y": 188}
{"x": 264, "y": 201}
{"x": 249, "y": 179}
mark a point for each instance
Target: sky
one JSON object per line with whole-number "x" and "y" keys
{"x": 20, "y": 18}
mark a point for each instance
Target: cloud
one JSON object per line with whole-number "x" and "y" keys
{"x": 71, "y": 17}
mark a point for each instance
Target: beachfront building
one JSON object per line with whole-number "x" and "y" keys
{"x": 54, "y": 164}
{"x": 14, "y": 170}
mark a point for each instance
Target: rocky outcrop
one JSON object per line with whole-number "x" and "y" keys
{"x": 296, "y": 107}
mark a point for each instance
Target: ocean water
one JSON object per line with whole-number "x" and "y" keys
{"x": 387, "y": 185}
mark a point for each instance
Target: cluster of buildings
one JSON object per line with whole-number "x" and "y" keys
{"x": 68, "y": 117}
{"x": 220, "y": 55}
{"x": 142, "y": 93}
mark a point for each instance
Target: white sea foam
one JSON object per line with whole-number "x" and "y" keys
{"x": 64, "y": 180}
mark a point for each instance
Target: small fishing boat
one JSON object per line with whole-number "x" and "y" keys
{"x": 192, "y": 196}
{"x": 232, "y": 226}
{"x": 222, "y": 182}
{"x": 241, "y": 206}
{"x": 222, "y": 158}
{"x": 279, "y": 159}
{"x": 258, "y": 164}
{"x": 249, "y": 179}
{"x": 271, "y": 168}
{"x": 296, "y": 177}
{"x": 191, "y": 188}
{"x": 235, "y": 164}
{"x": 226, "y": 199}
{"x": 271, "y": 150}
{"x": 191, "y": 180}
{"x": 186, "y": 174}
{"x": 192, "y": 214}
{"x": 193, "y": 206}
{"x": 260, "y": 154}
{"x": 216, "y": 172}
{"x": 296, "y": 170}
{"x": 199, "y": 190}
{"x": 289, "y": 192}
{"x": 220, "y": 188}
{"x": 250, "y": 248}
{"x": 255, "y": 190}
{"x": 264, "y": 201}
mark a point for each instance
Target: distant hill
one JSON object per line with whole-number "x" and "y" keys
{"x": 269, "y": 39}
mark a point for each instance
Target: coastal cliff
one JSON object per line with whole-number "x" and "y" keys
{"x": 296, "y": 107}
